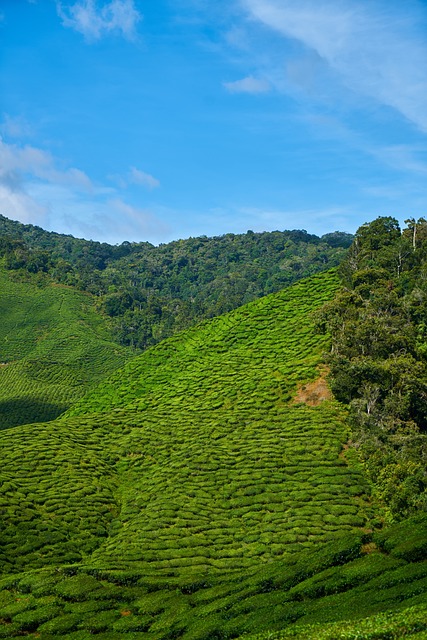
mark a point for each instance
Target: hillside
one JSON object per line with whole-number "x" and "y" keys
{"x": 197, "y": 494}
{"x": 151, "y": 292}
{"x": 54, "y": 346}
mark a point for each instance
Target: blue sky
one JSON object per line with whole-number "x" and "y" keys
{"x": 163, "y": 119}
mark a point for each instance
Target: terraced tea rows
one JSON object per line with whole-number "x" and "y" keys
{"x": 189, "y": 493}
{"x": 251, "y": 358}
{"x": 188, "y": 497}
{"x": 335, "y": 582}
{"x": 53, "y": 347}
{"x": 218, "y": 492}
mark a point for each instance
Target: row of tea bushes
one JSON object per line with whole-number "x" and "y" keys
{"x": 323, "y": 594}
{"x": 53, "y": 347}
{"x": 253, "y": 357}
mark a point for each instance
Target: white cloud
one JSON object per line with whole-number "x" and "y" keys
{"x": 248, "y": 85}
{"x": 15, "y": 127}
{"x": 19, "y": 205}
{"x": 134, "y": 176}
{"x": 17, "y": 162}
{"x": 376, "y": 48}
{"x": 145, "y": 179}
{"x": 34, "y": 190}
{"x": 134, "y": 218}
{"x": 94, "y": 22}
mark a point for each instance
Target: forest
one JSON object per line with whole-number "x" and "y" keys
{"x": 151, "y": 292}
{"x": 378, "y": 362}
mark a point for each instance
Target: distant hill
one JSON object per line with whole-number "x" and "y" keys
{"x": 152, "y": 292}
{"x": 54, "y": 346}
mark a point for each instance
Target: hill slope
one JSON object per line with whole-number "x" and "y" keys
{"x": 192, "y": 497}
{"x": 53, "y": 347}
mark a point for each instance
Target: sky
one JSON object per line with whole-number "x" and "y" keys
{"x": 154, "y": 120}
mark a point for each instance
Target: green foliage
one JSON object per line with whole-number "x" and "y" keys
{"x": 191, "y": 457}
{"x": 191, "y": 496}
{"x": 54, "y": 346}
{"x": 317, "y": 593}
{"x": 407, "y": 540}
{"x": 152, "y": 292}
{"x": 411, "y": 622}
{"x": 252, "y": 358}
{"x": 378, "y": 358}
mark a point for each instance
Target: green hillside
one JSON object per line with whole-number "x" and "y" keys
{"x": 205, "y": 491}
{"x": 250, "y": 359}
{"x": 53, "y": 347}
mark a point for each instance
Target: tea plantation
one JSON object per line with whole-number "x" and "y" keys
{"x": 53, "y": 347}
{"x": 190, "y": 496}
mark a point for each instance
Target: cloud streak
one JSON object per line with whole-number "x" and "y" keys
{"x": 376, "y": 49}
{"x": 145, "y": 179}
{"x": 135, "y": 177}
{"x": 15, "y": 127}
{"x": 248, "y": 85}
{"x": 95, "y": 22}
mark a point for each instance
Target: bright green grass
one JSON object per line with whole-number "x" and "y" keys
{"x": 53, "y": 348}
{"x": 187, "y": 497}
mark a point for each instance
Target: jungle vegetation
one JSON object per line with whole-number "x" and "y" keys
{"x": 151, "y": 292}
{"x": 378, "y": 358}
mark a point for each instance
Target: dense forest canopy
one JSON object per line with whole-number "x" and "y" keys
{"x": 151, "y": 292}
{"x": 378, "y": 324}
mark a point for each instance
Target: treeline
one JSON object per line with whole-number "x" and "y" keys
{"x": 378, "y": 361}
{"x": 151, "y": 292}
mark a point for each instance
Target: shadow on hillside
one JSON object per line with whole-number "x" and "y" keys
{"x": 26, "y": 410}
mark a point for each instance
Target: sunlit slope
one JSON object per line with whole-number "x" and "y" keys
{"x": 179, "y": 510}
{"x": 209, "y": 465}
{"x": 251, "y": 358}
{"x": 53, "y": 347}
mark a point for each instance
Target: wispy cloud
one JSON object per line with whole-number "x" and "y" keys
{"x": 19, "y": 205}
{"x": 145, "y": 179}
{"x": 376, "y": 48}
{"x": 15, "y": 127}
{"x": 35, "y": 189}
{"x": 404, "y": 157}
{"x": 94, "y": 21}
{"x": 248, "y": 85}
{"x": 17, "y": 162}
{"x": 137, "y": 177}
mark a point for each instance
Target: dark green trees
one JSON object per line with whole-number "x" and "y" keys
{"x": 378, "y": 357}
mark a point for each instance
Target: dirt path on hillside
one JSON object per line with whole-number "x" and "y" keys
{"x": 313, "y": 393}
